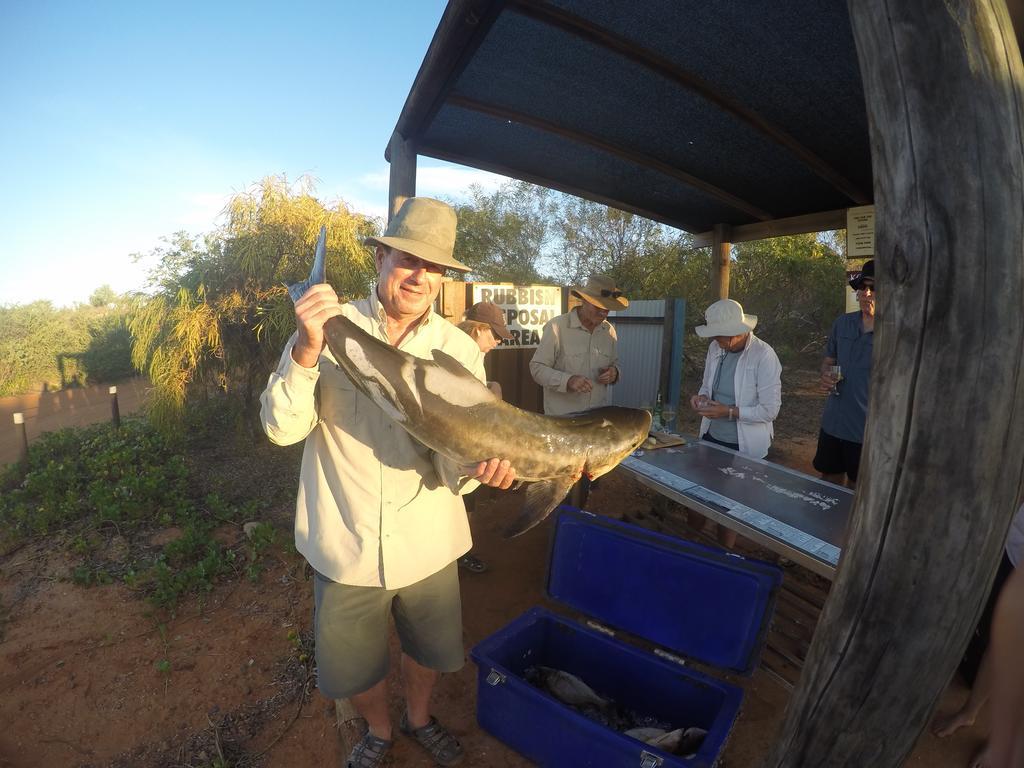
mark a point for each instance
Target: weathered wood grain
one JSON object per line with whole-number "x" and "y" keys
{"x": 944, "y": 447}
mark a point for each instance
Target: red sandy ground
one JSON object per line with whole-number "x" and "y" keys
{"x": 81, "y": 687}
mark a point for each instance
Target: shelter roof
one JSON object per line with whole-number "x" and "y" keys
{"x": 689, "y": 112}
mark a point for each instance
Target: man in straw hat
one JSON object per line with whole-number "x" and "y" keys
{"x": 741, "y": 393}
{"x": 381, "y": 533}
{"x": 577, "y": 358}
{"x": 845, "y": 375}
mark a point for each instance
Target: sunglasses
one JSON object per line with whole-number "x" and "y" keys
{"x": 610, "y": 294}
{"x": 866, "y": 287}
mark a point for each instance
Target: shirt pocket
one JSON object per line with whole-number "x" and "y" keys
{"x": 339, "y": 399}
{"x": 854, "y": 350}
{"x": 576, "y": 363}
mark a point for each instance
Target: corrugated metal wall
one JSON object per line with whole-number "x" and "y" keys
{"x": 641, "y": 331}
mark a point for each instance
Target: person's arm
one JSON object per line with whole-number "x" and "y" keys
{"x": 1007, "y": 646}
{"x": 705, "y": 385}
{"x": 768, "y": 397}
{"x": 288, "y": 405}
{"x": 609, "y": 375}
{"x": 542, "y": 364}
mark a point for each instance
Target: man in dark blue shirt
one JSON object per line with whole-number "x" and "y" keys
{"x": 845, "y": 375}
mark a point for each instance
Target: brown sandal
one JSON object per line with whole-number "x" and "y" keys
{"x": 369, "y": 752}
{"x": 436, "y": 739}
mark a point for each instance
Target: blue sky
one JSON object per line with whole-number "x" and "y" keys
{"x": 125, "y": 122}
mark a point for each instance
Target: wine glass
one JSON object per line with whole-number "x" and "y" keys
{"x": 837, "y": 374}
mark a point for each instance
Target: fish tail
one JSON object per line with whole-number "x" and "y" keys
{"x": 318, "y": 274}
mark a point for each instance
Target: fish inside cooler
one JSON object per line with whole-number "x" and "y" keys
{"x": 646, "y": 691}
{"x": 576, "y": 694}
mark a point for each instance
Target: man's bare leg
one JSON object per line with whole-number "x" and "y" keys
{"x": 418, "y": 682}
{"x": 372, "y": 704}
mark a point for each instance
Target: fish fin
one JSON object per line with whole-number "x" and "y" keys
{"x": 452, "y": 365}
{"x": 318, "y": 274}
{"x": 541, "y": 498}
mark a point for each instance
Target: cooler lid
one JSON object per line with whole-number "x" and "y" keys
{"x": 697, "y": 601}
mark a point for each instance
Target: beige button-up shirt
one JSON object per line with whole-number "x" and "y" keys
{"x": 567, "y": 349}
{"x": 371, "y": 510}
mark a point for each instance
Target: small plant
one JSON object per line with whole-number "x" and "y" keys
{"x": 259, "y": 538}
{"x": 163, "y": 666}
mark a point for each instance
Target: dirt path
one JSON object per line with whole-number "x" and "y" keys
{"x": 91, "y": 678}
{"x": 50, "y": 411}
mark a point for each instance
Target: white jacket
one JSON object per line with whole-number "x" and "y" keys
{"x": 758, "y": 387}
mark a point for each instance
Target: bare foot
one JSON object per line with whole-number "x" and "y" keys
{"x": 946, "y": 725}
{"x": 981, "y": 758}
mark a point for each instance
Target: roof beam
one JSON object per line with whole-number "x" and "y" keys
{"x": 794, "y": 225}
{"x": 636, "y": 158}
{"x": 585, "y": 30}
{"x": 543, "y": 181}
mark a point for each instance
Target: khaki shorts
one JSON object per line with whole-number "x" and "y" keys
{"x": 351, "y": 629}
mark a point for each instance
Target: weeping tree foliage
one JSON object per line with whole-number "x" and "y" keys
{"x": 219, "y": 311}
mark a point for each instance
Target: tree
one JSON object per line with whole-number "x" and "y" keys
{"x": 502, "y": 235}
{"x": 596, "y": 238}
{"x": 103, "y": 296}
{"x": 795, "y": 285}
{"x": 220, "y": 312}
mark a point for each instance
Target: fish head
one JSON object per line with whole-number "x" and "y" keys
{"x": 625, "y": 430}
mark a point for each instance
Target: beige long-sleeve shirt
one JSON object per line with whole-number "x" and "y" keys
{"x": 567, "y": 349}
{"x": 371, "y": 510}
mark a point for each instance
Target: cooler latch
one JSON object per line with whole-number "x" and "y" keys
{"x": 647, "y": 760}
{"x": 494, "y": 677}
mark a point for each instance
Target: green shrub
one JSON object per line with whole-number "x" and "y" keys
{"x": 134, "y": 480}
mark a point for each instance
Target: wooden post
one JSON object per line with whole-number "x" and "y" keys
{"x": 115, "y": 412}
{"x": 943, "y": 465}
{"x": 402, "y": 183}
{"x": 19, "y": 425}
{"x": 351, "y": 725}
{"x": 721, "y": 248}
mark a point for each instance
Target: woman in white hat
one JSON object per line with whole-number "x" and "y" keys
{"x": 742, "y": 388}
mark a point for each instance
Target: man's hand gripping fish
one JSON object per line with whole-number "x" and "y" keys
{"x": 450, "y": 411}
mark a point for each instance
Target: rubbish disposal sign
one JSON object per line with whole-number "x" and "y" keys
{"x": 527, "y": 308}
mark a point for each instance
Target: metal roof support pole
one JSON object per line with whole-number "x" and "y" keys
{"x": 721, "y": 248}
{"x": 943, "y": 465}
{"x": 402, "y": 184}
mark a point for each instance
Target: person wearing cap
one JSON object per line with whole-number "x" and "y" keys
{"x": 378, "y": 515}
{"x": 849, "y": 346}
{"x": 741, "y": 392}
{"x": 485, "y": 324}
{"x": 577, "y": 359}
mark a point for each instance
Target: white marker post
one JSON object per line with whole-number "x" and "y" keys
{"x": 19, "y": 424}
{"x": 115, "y": 412}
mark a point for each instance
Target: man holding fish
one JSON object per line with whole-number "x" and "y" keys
{"x": 379, "y": 515}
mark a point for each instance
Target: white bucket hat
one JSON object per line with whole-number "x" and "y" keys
{"x": 726, "y": 318}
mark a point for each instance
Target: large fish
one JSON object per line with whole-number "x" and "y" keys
{"x": 450, "y": 411}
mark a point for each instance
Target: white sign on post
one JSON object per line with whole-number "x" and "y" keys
{"x": 527, "y": 308}
{"x": 860, "y": 232}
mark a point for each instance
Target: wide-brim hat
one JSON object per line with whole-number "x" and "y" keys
{"x": 726, "y": 318}
{"x": 491, "y": 314}
{"x": 868, "y": 270}
{"x": 425, "y": 228}
{"x": 602, "y": 292}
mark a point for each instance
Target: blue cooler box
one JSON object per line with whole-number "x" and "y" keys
{"x": 687, "y": 600}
